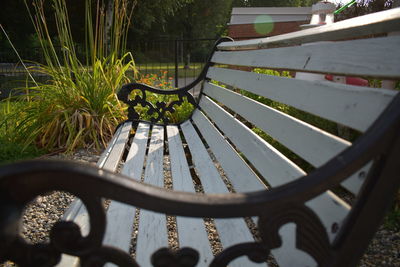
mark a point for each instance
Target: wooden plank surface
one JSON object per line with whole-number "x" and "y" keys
{"x": 365, "y": 57}
{"x": 312, "y": 144}
{"x": 77, "y": 211}
{"x": 191, "y": 231}
{"x": 135, "y": 160}
{"x": 353, "y": 106}
{"x": 231, "y": 231}
{"x": 376, "y": 23}
{"x": 269, "y": 162}
{"x": 121, "y": 216}
{"x": 274, "y": 166}
{"x": 152, "y": 233}
{"x": 239, "y": 173}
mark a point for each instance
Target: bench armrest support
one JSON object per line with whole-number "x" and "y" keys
{"x": 160, "y": 108}
{"x": 22, "y": 182}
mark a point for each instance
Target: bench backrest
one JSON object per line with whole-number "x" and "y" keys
{"x": 283, "y": 127}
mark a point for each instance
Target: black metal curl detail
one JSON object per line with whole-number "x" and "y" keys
{"x": 65, "y": 236}
{"x": 184, "y": 257}
{"x": 21, "y": 182}
{"x": 311, "y": 235}
{"x": 161, "y": 108}
{"x": 256, "y": 252}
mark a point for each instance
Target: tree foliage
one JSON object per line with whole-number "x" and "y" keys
{"x": 152, "y": 15}
{"x": 363, "y": 7}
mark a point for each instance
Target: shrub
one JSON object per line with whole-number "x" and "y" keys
{"x": 77, "y": 106}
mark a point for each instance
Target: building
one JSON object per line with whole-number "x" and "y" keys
{"x": 252, "y": 22}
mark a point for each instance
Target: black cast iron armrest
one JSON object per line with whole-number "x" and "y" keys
{"x": 22, "y": 182}
{"x": 160, "y": 108}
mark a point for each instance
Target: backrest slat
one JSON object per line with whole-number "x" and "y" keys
{"x": 354, "y": 106}
{"x": 355, "y": 57}
{"x": 316, "y": 146}
{"x": 376, "y": 23}
{"x": 271, "y": 164}
{"x": 238, "y": 172}
{"x": 275, "y": 167}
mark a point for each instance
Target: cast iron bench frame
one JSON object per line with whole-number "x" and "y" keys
{"x": 22, "y": 182}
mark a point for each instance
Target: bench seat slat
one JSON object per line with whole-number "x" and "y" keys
{"x": 77, "y": 211}
{"x": 368, "y": 57}
{"x": 134, "y": 162}
{"x": 376, "y": 23}
{"x": 239, "y": 173}
{"x": 353, "y": 106}
{"x": 119, "y": 232}
{"x": 152, "y": 233}
{"x": 191, "y": 231}
{"x": 231, "y": 231}
{"x": 274, "y": 166}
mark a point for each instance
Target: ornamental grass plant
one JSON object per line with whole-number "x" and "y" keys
{"x": 77, "y": 106}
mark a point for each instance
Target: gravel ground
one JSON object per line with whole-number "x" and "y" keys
{"x": 44, "y": 211}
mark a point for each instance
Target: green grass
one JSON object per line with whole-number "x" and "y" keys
{"x": 154, "y": 68}
{"x": 11, "y": 151}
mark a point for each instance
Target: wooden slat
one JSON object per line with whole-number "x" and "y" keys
{"x": 275, "y": 167}
{"x": 366, "y": 57}
{"x": 135, "y": 160}
{"x": 354, "y": 106}
{"x": 239, "y": 173}
{"x": 231, "y": 231}
{"x": 271, "y": 10}
{"x": 121, "y": 216}
{"x": 152, "y": 233}
{"x": 271, "y": 164}
{"x": 307, "y": 141}
{"x": 376, "y": 23}
{"x": 311, "y": 143}
{"x": 191, "y": 231}
{"x": 77, "y": 211}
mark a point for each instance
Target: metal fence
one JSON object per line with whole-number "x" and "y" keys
{"x": 182, "y": 59}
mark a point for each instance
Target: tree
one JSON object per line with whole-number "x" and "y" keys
{"x": 363, "y": 7}
{"x": 151, "y": 16}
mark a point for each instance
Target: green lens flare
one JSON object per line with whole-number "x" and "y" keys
{"x": 263, "y": 24}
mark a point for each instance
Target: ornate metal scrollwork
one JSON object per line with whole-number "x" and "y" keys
{"x": 158, "y": 110}
{"x": 184, "y": 257}
{"x": 311, "y": 235}
{"x": 22, "y": 182}
{"x": 256, "y": 252}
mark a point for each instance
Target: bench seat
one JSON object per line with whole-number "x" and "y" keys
{"x": 255, "y": 160}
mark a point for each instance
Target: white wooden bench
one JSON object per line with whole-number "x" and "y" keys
{"x": 300, "y": 220}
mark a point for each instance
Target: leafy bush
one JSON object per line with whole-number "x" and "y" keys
{"x": 77, "y": 106}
